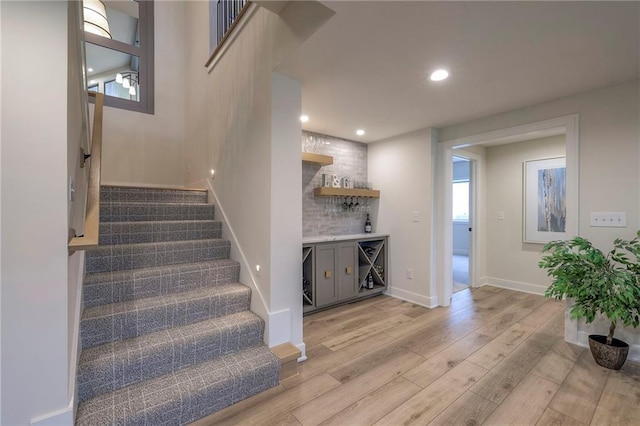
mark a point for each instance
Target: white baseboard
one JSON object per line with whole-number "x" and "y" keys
{"x": 75, "y": 354}
{"x": 278, "y": 328}
{"x": 303, "y": 352}
{"x": 513, "y": 285}
{"x": 56, "y": 418}
{"x": 418, "y": 299}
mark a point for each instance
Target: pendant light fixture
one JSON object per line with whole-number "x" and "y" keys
{"x": 95, "y": 18}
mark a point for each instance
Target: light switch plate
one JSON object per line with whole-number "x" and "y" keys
{"x": 609, "y": 219}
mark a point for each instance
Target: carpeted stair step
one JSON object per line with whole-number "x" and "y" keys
{"x": 118, "y": 321}
{"x": 151, "y": 195}
{"x": 120, "y": 286}
{"x": 145, "y": 212}
{"x": 186, "y": 395}
{"x": 120, "y": 257}
{"x": 112, "y": 366}
{"x": 152, "y": 232}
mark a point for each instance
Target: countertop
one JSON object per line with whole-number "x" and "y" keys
{"x": 329, "y": 238}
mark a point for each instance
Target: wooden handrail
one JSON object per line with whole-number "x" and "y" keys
{"x": 92, "y": 217}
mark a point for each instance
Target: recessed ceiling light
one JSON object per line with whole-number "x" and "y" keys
{"x": 359, "y": 132}
{"x": 304, "y": 118}
{"x": 439, "y": 75}
{"x": 90, "y": 69}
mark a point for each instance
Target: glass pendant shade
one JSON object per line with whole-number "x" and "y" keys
{"x": 119, "y": 78}
{"x": 95, "y": 18}
{"x": 125, "y": 83}
{"x": 132, "y": 90}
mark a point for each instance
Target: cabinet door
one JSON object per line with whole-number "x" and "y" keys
{"x": 347, "y": 270}
{"x": 326, "y": 291}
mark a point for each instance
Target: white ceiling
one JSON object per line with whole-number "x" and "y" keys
{"x": 368, "y": 66}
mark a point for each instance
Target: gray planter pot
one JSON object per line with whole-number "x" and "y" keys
{"x": 609, "y": 356}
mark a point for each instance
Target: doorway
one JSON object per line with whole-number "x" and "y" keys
{"x": 461, "y": 190}
{"x": 567, "y": 125}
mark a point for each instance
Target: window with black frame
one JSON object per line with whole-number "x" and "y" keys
{"x": 119, "y": 52}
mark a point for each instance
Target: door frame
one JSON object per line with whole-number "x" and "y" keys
{"x": 474, "y": 188}
{"x": 567, "y": 125}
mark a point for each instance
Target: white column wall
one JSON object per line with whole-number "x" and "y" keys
{"x": 402, "y": 168}
{"x": 286, "y": 212}
{"x": 34, "y": 210}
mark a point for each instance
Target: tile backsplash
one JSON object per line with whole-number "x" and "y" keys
{"x": 350, "y": 160}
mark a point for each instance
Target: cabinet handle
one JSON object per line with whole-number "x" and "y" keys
{"x": 348, "y": 270}
{"x": 327, "y": 274}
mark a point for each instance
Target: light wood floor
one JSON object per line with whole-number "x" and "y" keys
{"x": 495, "y": 357}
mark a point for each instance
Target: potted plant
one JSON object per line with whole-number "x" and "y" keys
{"x": 597, "y": 284}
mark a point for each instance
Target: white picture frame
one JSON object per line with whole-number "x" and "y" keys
{"x": 545, "y": 200}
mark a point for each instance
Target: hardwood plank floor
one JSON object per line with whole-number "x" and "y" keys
{"x": 494, "y": 357}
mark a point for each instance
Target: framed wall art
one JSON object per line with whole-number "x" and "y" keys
{"x": 545, "y": 200}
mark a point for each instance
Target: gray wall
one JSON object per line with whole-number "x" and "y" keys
{"x": 349, "y": 159}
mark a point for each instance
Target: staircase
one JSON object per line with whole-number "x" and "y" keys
{"x": 167, "y": 335}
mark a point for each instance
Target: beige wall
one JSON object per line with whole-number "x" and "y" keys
{"x": 34, "y": 212}
{"x": 149, "y": 149}
{"x": 609, "y": 161}
{"x": 402, "y": 169}
{"x": 509, "y": 260}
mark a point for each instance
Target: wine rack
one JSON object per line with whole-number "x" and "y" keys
{"x": 372, "y": 262}
{"x": 336, "y": 272}
{"x": 307, "y": 278}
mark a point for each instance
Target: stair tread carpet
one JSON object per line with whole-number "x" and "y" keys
{"x": 146, "y": 255}
{"x": 135, "y": 212}
{"x": 111, "y": 366}
{"x": 106, "y": 323}
{"x": 187, "y": 394}
{"x": 118, "y": 286}
{"x": 152, "y": 195}
{"x": 158, "y": 231}
{"x": 166, "y": 333}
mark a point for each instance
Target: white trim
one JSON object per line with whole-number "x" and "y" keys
{"x": 302, "y": 347}
{"x": 278, "y": 329}
{"x": 75, "y": 336}
{"x": 244, "y": 20}
{"x": 415, "y": 298}
{"x": 569, "y": 125}
{"x": 514, "y": 285}
{"x": 55, "y": 418}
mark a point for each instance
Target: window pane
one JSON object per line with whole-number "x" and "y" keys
{"x": 123, "y": 21}
{"x": 461, "y": 200}
{"x": 115, "y": 73}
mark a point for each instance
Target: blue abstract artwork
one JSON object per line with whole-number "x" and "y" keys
{"x": 552, "y": 199}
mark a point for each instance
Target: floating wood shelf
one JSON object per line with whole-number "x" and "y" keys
{"x": 317, "y": 159}
{"x": 345, "y": 192}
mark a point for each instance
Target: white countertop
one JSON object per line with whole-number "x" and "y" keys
{"x": 328, "y": 238}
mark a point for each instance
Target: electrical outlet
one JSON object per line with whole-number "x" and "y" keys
{"x": 609, "y": 219}
{"x": 500, "y": 215}
{"x": 409, "y": 273}
{"x": 416, "y": 216}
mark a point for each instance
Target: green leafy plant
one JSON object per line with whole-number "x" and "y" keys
{"x": 598, "y": 283}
